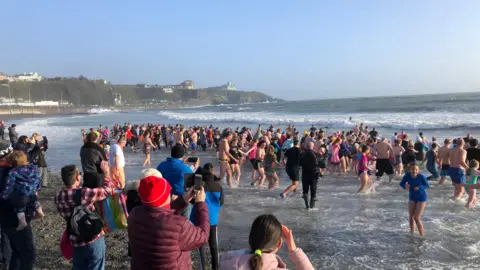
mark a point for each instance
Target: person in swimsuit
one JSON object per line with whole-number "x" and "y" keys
{"x": 270, "y": 164}
{"x": 224, "y": 157}
{"x": 292, "y": 166}
{"x": 234, "y": 163}
{"x": 398, "y": 150}
{"x": 251, "y": 156}
{"x": 259, "y": 163}
{"x": 364, "y": 170}
{"x": 445, "y": 160}
{"x": 416, "y": 183}
{"x": 335, "y": 159}
{"x": 193, "y": 141}
{"x": 384, "y": 165}
{"x": 458, "y": 156}
{"x": 147, "y": 146}
{"x": 472, "y": 176}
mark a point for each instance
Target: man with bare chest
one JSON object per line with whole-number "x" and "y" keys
{"x": 457, "y": 169}
{"x": 443, "y": 155}
{"x": 384, "y": 165}
{"x": 224, "y": 157}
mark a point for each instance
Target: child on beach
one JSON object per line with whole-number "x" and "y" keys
{"x": 23, "y": 181}
{"x": 472, "y": 176}
{"x": 416, "y": 183}
{"x": 364, "y": 170}
{"x": 270, "y": 164}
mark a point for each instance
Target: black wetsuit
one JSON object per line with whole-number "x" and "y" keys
{"x": 310, "y": 174}
{"x": 293, "y": 163}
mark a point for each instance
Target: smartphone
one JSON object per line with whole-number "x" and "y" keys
{"x": 198, "y": 184}
{"x": 192, "y": 159}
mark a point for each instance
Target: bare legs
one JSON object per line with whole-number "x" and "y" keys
{"x": 147, "y": 160}
{"x": 415, "y": 211}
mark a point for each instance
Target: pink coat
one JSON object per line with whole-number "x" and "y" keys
{"x": 239, "y": 260}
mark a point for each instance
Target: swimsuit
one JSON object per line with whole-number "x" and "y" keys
{"x": 473, "y": 180}
{"x": 457, "y": 175}
{"x": 220, "y": 160}
{"x": 444, "y": 170}
{"x": 384, "y": 165}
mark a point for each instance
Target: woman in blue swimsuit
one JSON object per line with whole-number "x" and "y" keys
{"x": 416, "y": 184}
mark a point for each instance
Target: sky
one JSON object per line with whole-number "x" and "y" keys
{"x": 293, "y": 50}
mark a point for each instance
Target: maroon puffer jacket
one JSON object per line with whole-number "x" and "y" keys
{"x": 161, "y": 239}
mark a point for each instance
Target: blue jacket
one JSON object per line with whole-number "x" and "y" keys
{"x": 213, "y": 197}
{"x": 174, "y": 170}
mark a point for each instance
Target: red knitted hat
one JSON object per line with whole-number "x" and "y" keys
{"x": 154, "y": 191}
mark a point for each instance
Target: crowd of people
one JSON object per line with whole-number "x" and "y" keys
{"x": 170, "y": 216}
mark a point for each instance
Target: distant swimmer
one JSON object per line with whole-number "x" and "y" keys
{"x": 350, "y": 119}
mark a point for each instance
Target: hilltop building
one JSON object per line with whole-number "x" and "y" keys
{"x": 27, "y": 77}
{"x": 229, "y": 86}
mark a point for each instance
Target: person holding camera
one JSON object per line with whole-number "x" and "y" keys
{"x": 174, "y": 170}
{"x": 159, "y": 237}
{"x": 214, "y": 200}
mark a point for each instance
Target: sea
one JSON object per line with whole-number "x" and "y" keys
{"x": 347, "y": 231}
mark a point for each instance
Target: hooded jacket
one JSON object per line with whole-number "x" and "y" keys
{"x": 13, "y": 135}
{"x": 174, "y": 170}
{"x": 162, "y": 239}
{"x": 214, "y": 197}
{"x": 240, "y": 260}
{"x": 91, "y": 155}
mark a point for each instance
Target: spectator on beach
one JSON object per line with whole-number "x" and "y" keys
{"x": 2, "y": 130}
{"x": 266, "y": 237}
{"x": 159, "y": 237}
{"x": 86, "y": 255}
{"x": 214, "y": 200}
{"x": 174, "y": 170}
{"x": 37, "y": 156}
{"x": 12, "y": 134}
{"x": 91, "y": 156}
{"x": 117, "y": 162}
{"x": 23, "y": 144}
{"x": 18, "y": 247}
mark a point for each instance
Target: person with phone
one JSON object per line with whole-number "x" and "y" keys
{"x": 152, "y": 223}
{"x": 174, "y": 170}
{"x": 214, "y": 200}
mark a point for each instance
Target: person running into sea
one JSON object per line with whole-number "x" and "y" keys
{"x": 224, "y": 157}
{"x": 270, "y": 164}
{"x": 259, "y": 163}
{"x": 194, "y": 141}
{"x": 432, "y": 162}
{"x": 416, "y": 183}
{"x": 398, "y": 150}
{"x": 147, "y": 147}
{"x": 292, "y": 167}
{"x": 444, "y": 159}
{"x": 364, "y": 170}
{"x": 458, "y": 155}
{"x": 472, "y": 176}
{"x": 335, "y": 160}
{"x": 234, "y": 163}
{"x": 310, "y": 175}
{"x": 383, "y": 164}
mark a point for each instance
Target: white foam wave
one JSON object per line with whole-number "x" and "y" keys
{"x": 386, "y": 120}
{"x": 99, "y": 110}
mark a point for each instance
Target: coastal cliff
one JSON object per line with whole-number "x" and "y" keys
{"x": 84, "y": 92}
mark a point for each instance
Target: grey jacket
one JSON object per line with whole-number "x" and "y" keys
{"x": 12, "y": 133}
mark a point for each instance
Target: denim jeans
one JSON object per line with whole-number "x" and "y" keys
{"x": 91, "y": 256}
{"x": 23, "y": 248}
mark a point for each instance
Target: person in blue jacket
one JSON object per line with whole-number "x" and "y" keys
{"x": 174, "y": 170}
{"x": 416, "y": 183}
{"x": 214, "y": 200}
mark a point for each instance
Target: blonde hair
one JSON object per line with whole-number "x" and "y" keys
{"x": 19, "y": 158}
{"x": 471, "y": 166}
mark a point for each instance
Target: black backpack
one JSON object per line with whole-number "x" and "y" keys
{"x": 83, "y": 223}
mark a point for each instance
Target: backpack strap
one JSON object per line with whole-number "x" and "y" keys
{"x": 77, "y": 197}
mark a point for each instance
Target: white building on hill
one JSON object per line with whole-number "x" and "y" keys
{"x": 229, "y": 86}
{"x": 28, "y": 77}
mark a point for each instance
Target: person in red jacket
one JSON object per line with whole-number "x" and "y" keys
{"x": 160, "y": 238}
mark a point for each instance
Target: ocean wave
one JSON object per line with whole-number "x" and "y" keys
{"x": 407, "y": 121}
{"x": 99, "y": 110}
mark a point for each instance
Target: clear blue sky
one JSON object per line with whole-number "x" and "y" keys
{"x": 288, "y": 49}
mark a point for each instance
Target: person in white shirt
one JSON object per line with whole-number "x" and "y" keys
{"x": 394, "y": 137}
{"x": 117, "y": 162}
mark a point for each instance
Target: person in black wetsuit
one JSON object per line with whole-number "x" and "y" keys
{"x": 473, "y": 153}
{"x": 310, "y": 175}
{"x": 292, "y": 166}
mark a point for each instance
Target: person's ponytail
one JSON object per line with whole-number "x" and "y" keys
{"x": 256, "y": 262}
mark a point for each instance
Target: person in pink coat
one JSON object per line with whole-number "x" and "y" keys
{"x": 266, "y": 238}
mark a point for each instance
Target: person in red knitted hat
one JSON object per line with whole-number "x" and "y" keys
{"x": 160, "y": 238}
